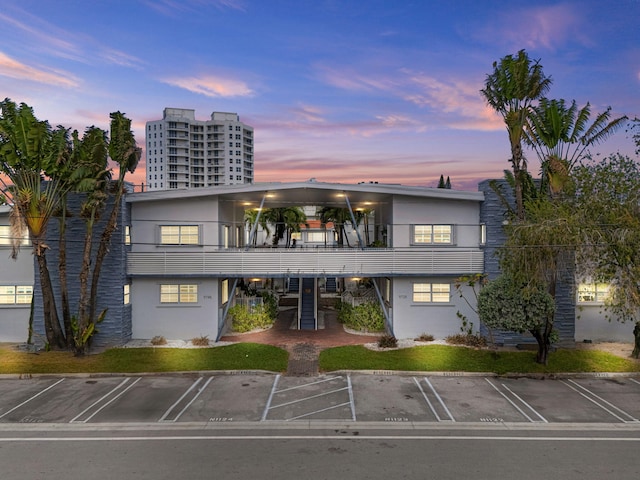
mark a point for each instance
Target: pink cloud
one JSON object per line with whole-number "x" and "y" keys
{"x": 212, "y": 86}
{"x": 20, "y": 71}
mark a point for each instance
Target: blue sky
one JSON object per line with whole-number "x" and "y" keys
{"x": 339, "y": 90}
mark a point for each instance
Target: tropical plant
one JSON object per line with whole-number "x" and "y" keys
{"x": 560, "y": 135}
{"x": 286, "y": 220}
{"x": 252, "y": 216}
{"x": 339, "y": 217}
{"x": 29, "y": 151}
{"x": 508, "y": 304}
{"x": 511, "y": 90}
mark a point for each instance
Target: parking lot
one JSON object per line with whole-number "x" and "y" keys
{"x": 444, "y": 399}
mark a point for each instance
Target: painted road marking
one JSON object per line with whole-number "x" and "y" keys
{"x": 184, "y": 395}
{"x": 104, "y": 397}
{"x": 275, "y": 391}
{"x": 41, "y": 392}
{"x": 599, "y": 401}
{"x": 438, "y": 398}
{"x": 525, "y": 404}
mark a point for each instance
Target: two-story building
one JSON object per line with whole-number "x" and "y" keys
{"x": 179, "y": 256}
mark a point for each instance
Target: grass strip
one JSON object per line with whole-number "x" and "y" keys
{"x": 443, "y": 358}
{"x": 239, "y": 356}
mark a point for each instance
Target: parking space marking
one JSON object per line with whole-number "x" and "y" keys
{"x": 184, "y": 395}
{"x": 599, "y": 401}
{"x": 437, "y": 396}
{"x": 115, "y": 389}
{"x": 270, "y": 399}
{"x": 517, "y": 397}
{"x": 634, "y": 381}
{"x": 274, "y": 391}
{"x": 41, "y": 392}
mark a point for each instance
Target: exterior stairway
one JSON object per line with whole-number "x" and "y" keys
{"x": 308, "y": 309}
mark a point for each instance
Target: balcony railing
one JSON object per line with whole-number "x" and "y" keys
{"x": 282, "y": 262}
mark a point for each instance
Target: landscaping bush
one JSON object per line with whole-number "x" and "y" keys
{"x": 425, "y": 337}
{"x": 366, "y": 317}
{"x": 387, "y": 341}
{"x": 158, "y": 340}
{"x": 200, "y": 341}
{"x": 245, "y": 320}
{"x": 467, "y": 339}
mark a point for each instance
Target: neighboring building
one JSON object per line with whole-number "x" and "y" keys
{"x": 178, "y": 271}
{"x": 182, "y": 152}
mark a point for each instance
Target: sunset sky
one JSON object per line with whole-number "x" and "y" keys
{"x": 339, "y": 90}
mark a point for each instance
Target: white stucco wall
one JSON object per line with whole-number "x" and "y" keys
{"x": 14, "y": 319}
{"x": 592, "y": 324}
{"x": 174, "y": 321}
{"x": 409, "y": 211}
{"x": 410, "y": 319}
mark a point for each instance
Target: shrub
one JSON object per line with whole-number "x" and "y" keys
{"x": 387, "y": 341}
{"x": 200, "y": 341}
{"x": 366, "y": 317}
{"x": 270, "y": 302}
{"x": 425, "y": 337}
{"x": 467, "y": 339}
{"x": 245, "y": 320}
{"x": 158, "y": 340}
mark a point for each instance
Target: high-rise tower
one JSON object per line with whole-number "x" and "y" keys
{"x": 182, "y": 152}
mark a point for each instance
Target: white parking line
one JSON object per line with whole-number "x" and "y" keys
{"x": 117, "y": 387}
{"x": 634, "y": 381}
{"x": 451, "y": 419}
{"x": 514, "y": 404}
{"x": 351, "y": 401}
{"x": 305, "y": 385}
{"x": 323, "y": 394}
{"x": 193, "y": 385}
{"x": 622, "y": 412}
{"x": 31, "y": 398}
{"x": 270, "y": 399}
{"x": 107, "y": 403}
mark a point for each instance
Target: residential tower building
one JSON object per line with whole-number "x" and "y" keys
{"x": 182, "y": 152}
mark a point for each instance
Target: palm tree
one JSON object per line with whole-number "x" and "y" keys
{"x": 285, "y": 220}
{"x": 339, "y": 217}
{"x": 126, "y": 154}
{"x": 560, "y": 134}
{"x": 29, "y": 148}
{"x": 250, "y": 218}
{"x": 516, "y": 82}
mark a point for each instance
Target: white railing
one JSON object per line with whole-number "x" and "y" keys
{"x": 318, "y": 262}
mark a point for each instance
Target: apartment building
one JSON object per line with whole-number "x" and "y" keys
{"x": 182, "y": 152}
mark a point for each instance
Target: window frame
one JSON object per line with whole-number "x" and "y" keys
{"x": 26, "y": 295}
{"x": 178, "y": 293}
{"x": 428, "y": 233}
{"x": 432, "y": 293}
{"x": 597, "y": 293}
{"x": 181, "y": 236}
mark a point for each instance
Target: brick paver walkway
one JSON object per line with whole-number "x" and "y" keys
{"x": 303, "y": 346}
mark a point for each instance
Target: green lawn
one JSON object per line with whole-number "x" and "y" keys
{"x": 251, "y": 356}
{"x": 443, "y": 358}
{"x": 239, "y": 356}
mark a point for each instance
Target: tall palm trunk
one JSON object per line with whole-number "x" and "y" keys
{"x": 53, "y": 332}
{"x": 62, "y": 274}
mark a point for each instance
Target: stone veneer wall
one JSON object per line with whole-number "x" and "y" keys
{"x": 493, "y": 214}
{"x": 116, "y": 328}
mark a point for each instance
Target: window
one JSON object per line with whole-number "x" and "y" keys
{"x": 126, "y": 294}
{"x": 432, "y": 234}
{"x": 224, "y": 291}
{"x": 592, "y": 292}
{"x": 127, "y": 235}
{"x": 315, "y": 237}
{"x": 6, "y": 236}
{"x": 15, "y": 294}
{"x": 431, "y": 292}
{"x": 179, "y": 234}
{"x": 179, "y": 293}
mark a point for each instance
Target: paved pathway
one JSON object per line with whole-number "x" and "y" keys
{"x": 303, "y": 346}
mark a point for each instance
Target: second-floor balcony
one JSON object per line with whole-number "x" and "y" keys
{"x": 285, "y": 262}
